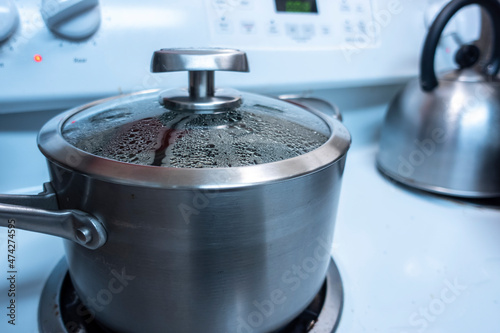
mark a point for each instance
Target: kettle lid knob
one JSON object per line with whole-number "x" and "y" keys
{"x": 467, "y": 56}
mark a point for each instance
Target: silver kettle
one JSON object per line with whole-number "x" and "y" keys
{"x": 443, "y": 135}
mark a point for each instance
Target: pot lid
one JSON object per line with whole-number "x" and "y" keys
{"x": 139, "y": 130}
{"x": 198, "y": 127}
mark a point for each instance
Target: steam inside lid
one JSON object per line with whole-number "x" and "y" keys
{"x": 144, "y": 132}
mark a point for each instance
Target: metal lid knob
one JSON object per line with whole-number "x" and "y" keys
{"x": 201, "y": 64}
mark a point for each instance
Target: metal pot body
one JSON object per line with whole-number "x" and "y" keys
{"x": 163, "y": 249}
{"x": 246, "y": 259}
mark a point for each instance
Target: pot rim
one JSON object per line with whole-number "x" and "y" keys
{"x": 57, "y": 150}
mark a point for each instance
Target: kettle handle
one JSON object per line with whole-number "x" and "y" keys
{"x": 428, "y": 80}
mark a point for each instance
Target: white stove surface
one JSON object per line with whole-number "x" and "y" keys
{"x": 409, "y": 262}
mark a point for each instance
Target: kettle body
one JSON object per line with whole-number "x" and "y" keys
{"x": 443, "y": 135}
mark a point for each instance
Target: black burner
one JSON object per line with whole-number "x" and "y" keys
{"x": 307, "y": 319}
{"x": 61, "y": 309}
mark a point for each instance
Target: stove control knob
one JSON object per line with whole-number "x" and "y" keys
{"x": 72, "y": 19}
{"x": 9, "y": 19}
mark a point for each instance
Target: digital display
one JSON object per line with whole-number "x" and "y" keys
{"x": 296, "y": 6}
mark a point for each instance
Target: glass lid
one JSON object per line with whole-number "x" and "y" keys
{"x": 198, "y": 137}
{"x": 150, "y": 129}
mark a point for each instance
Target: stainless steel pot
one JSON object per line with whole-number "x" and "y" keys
{"x": 188, "y": 249}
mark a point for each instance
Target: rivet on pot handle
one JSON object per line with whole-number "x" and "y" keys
{"x": 39, "y": 213}
{"x": 315, "y": 104}
{"x": 428, "y": 80}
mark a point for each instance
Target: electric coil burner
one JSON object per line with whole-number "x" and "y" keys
{"x": 61, "y": 310}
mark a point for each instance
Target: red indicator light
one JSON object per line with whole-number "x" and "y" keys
{"x": 37, "y": 58}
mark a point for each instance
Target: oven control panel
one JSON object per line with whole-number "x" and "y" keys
{"x": 56, "y": 54}
{"x": 286, "y": 24}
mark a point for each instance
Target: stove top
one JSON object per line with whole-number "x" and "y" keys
{"x": 410, "y": 262}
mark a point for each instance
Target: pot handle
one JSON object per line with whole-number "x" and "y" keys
{"x": 311, "y": 103}
{"x": 428, "y": 80}
{"x": 40, "y": 213}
